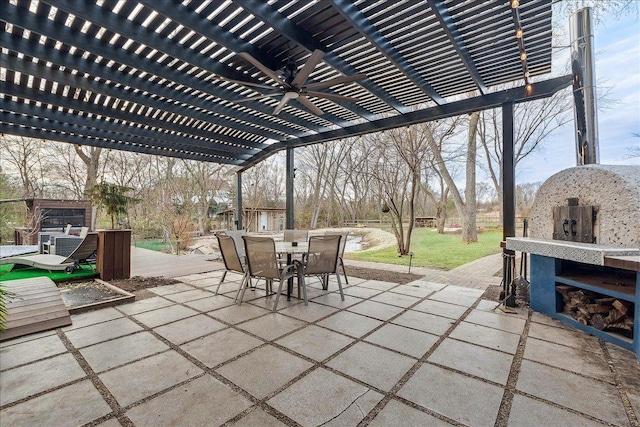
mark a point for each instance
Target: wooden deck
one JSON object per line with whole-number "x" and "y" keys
{"x": 146, "y": 263}
{"x": 36, "y": 306}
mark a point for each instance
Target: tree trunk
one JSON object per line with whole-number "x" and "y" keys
{"x": 469, "y": 231}
{"x": 92, "y": 163}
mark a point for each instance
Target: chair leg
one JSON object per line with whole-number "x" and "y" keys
{"x": 243, "y": 285}
{"x": 275, "y": 304}
{"x": 325, "y": 281}
{"x": 302, "y": 284}
{"x": 344, "y": 272}
{"x": 220, "y": 283}
{"x": 339, "y": 286}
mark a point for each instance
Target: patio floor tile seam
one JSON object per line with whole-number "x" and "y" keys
{"x": 512, "y": 380}
{"x": 579, "y": 374}
{"x": 22, "y": 365}
{"x": 208, "y": 371}
{"x": 41, "y": 393}
{"x": 392, "y": 393}
{"x": 567, "y": 408}
{"x": 323, "y": 363}
{"x": 362, "y": 337}
{"x": 634, "y": 419}
{"x": 117, "y": 410}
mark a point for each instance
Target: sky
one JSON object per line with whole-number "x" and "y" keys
{"x": 617, "y": 48}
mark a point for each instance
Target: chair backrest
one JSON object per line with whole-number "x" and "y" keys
{"x": 323, "y": 254}
{"x": 296, "y": 235}
{"x": 229, "y": 252}
{"x": 261, "y": 257}
{"x": 85, "y": 249}
{"x": 343, "y": 241}
{"x": 84, "y": 231}
{"x": 236, "y": 235}
{"x": 67, "y": 229}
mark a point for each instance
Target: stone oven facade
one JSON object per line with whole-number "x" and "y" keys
{"x": 613, "y": 191}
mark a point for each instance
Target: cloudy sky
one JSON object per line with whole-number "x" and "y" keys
{"x": 617, "y": 47}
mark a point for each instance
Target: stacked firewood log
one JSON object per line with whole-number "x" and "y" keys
{"x": 601, "y": 312}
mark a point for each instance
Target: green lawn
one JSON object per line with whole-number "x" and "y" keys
{"x": 430, "y": 249}
{"x": 153, "y": 245}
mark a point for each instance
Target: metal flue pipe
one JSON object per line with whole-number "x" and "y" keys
{"x": 584, "y": 87}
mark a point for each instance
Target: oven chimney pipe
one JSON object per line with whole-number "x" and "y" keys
{"x": 584, "y": 88}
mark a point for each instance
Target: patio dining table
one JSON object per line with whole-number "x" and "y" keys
{"x": 289, "y": 249}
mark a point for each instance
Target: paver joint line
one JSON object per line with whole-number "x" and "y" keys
{"x": 507, "y": 398}
{"x": 364, "y": 292}
{"x": 633, "y": 417}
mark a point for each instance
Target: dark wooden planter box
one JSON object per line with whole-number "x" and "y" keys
{"x": 113, "y": 259}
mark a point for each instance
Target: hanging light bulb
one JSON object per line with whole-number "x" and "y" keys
{"x": 529, "y": 88}
{"x": 515, "y": 3}
{"x": 519, "y": 33}
{"x": 523, "y": 56}
{"x": 527, "y": 74}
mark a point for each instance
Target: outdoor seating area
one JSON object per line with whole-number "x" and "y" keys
{"x": 286, "y": 121}
{"x": 85, "y": 248}
{"x": 387, "y": 355}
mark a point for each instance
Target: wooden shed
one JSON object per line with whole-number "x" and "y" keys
{"x": 256, "y": 219}
{"x": 52, "y": 215}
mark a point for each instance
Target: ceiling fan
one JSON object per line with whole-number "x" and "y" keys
{"x": 292, "y": 85}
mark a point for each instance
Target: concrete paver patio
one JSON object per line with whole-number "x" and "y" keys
{"x": 419, "y": 354}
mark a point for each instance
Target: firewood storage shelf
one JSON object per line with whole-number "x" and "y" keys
{"x": 548, "y": 273}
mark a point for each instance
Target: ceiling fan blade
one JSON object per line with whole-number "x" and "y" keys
{"x": 310, "y": 105}
{"x": 257, "y": 97}
{"x": 243, "y": 83}
{"x": 253, "y": 61}
{"x": 336, "y": 81}
{"x": 307, "y": 69}
{"x": 331, "y": 96}
{"x": 287, "y": 96}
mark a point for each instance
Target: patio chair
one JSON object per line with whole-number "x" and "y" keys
{"x": 236, "y": 235}
{"x": 321, "y": 261}
{"x": 262, "y": 263}
{"x": 81, "y": 255}
{"x": 231, "y": 258}
{"x": 343, "y": 243}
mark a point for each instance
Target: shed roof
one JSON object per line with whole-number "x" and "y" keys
{"x": 172, "y": 78}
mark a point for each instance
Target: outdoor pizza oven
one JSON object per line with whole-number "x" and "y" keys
{"x": 590, "y": 204}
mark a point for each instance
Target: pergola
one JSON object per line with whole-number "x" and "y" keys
{"x": 172, "y": 78}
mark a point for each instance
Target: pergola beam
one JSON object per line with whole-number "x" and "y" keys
{"x": 516, "y": 95}
{"x": 449, "y": 27}
{"x": 285, "y": 26}
{"x": 39, "y": 24}
{"x": 49, "y": 135}
{"x": 352, "y": 14}
{"x": 177, "y": 12}
{"x": 142, "y": 136}
{"x": 165, "y": 99}
{"x": 120, "y": 25}
{"x": 64, "y": 128}
{"x": 51, "y": 74}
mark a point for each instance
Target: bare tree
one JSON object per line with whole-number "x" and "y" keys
{"x": 397, "y": 168}
{"x": 206, "y": 181}
{"x": 534, "y": 122}
{"x": 90, "y": 156}
{"x": 25, "y": 156}
{"x": 466, "y": 206}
